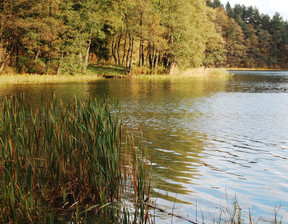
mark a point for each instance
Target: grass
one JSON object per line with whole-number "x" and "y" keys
{"x": 68, "y": 158}
{"x": 40, "y": 79}
{"x": 108, "y": 70}
{"x": 234, "y": 215}
{"x": 189, "y": 73}
{"x": 98, "y": 71}
{"x": 95, "y": 72}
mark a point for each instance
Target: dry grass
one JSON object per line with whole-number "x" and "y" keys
{"x": 96, "y": 73}
{"x": 33, "y": 78}
{"x": 189, "y": 73}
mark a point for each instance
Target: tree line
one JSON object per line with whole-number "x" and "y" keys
{"x": 251, "y": 39}
{"x": 63, "y": 36}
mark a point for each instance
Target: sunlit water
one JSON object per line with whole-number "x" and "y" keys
{"x": 211, "y": 139}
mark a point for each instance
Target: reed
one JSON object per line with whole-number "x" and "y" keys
{"x": 235, "y": 214}
{"x": 67, "y": 157}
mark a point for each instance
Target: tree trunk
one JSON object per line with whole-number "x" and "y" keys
{"x": 113, "y": 51}
{"x": 87, "y": 53}
{"x": 168, "y": 62}
{"x": 141, "y": 53}
{"x": 17, "y": 55}
{"x": 149, "y": 56}
{"x": 2, "y": 67}
{"x": 124, "y": 49}
{"x": 141, "y": 47}
{"x": 2, "y": 50}
{"x": 59, "y": 65}
{"x": 156, "y": 60}
{"x": 47, "y": 65}
{"x": 118, "y": 49}
{"x": 130, "y": 54}
{"x": 58, "y": 68}
{"x": 36, "y": 56}
{"x": 87, "y": 58}
{"x": 11, "y": 56}
{"x": 153, "y": 58}
{"x": 275, "y": 55}
{"x": 171, "y": 68}
{"x": 81, "y": 59}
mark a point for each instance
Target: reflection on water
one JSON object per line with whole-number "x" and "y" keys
{"x": 210, "y": 139}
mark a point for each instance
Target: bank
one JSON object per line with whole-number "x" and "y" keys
{"x": 98, "y": 72}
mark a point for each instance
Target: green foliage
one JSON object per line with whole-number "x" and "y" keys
{"x": 265, "y": 39}
{"x": 150, "y": 34}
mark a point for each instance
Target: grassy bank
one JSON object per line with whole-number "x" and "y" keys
{"x": 96, "y": 72}
{"x": 202, "y": 73}
{"x": 59, "y": 159}
{"x": 41, "y": 79}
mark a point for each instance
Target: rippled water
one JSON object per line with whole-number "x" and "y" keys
{"x": 211, "y": 139}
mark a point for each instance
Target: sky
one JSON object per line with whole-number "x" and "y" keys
{"x": 269, "y": 7}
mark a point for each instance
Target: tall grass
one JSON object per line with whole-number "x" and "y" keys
{"x": 66, "y": 157}
{"x": 36, "y": 79}
{"x": 199, "y": 73}
{"x": 234, "y": 214}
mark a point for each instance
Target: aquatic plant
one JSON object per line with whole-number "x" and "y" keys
{"x": 67, "y": 157}
{"x": 233, "y": 214}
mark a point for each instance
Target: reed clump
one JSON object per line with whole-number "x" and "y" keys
{"x": 235, "y": 214}
{"x": 67, "y": 157}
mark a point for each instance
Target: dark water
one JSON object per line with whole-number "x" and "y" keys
{"x": 211, "y": 138}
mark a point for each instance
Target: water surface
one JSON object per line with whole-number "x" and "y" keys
{"x": 211, "y": 138}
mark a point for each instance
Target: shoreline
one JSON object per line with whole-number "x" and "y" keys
{"x": 255, "y": 69}
{"x": 45, "y": 79}
{"x": 14, "y": 78}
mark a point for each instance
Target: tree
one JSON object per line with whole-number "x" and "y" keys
{"x": 235, "y": 44}
{"x": 189, "y": 25}
{"x": 215, "y": 4}
{"x": 265, "y": 48}
{"x": 155, "y": 35}
{"x": 13, "y": 28}
{"x": 215, "y": 47}
{"x": 229, "y": 10}
{"x": 4, "y": 55}
{"x": 253, "y": 57}
{"x": 83, "y": 21}
{"x": 278, "y": 36}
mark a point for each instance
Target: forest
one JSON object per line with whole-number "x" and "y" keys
{"x": 65, "y": 36}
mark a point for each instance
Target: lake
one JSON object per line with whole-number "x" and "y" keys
{"x": 211, "y": 138}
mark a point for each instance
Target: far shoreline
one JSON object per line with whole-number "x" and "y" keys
{"x": 101, "y": 74}
{"x": 255, "y": 69}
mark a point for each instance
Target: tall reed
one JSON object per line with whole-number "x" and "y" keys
{"x": 66, "y": 157}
